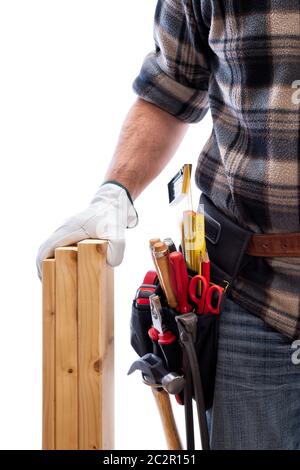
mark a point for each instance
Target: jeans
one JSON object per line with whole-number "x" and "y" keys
{"x": 257, "y": 392}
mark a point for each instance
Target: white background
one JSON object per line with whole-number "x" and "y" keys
{"x": 66, "y": 70}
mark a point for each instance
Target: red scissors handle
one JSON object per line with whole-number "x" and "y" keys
{"x": 193, "y": 288}
{"x": 214, "y": 292}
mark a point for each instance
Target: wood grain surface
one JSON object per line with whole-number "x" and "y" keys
{"x": 48, "y": 277}
{"x": 66, "y": 416}
{"x": 96, "y": 351}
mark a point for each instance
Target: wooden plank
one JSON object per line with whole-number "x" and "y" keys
{"x": 96, "y": 348}
{"x": 66, "y": 349}
{"x": 107, "y": 353}
{"x": 48, "y": 439}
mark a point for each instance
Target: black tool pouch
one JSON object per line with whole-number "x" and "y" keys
{"x": 226, "y": 244}
{"x": 206, "y": 344}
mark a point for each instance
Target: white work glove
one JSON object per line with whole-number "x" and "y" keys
{"x": 109, "y": 214}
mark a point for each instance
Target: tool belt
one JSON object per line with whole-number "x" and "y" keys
{"x": 231, "y": 247}
{"x": 224, "y": 236}
{"x": 189, "y": 350}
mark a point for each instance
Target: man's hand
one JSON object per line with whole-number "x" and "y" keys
{"x": 109, "y": 214}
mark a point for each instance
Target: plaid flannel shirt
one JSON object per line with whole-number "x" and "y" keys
{"x": 241, "y": 60}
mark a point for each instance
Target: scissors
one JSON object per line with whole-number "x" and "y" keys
{"x": 206, "y": 301}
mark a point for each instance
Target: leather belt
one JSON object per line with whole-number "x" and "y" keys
{"x": 275, "y": 244}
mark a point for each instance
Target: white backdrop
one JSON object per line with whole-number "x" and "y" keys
{"x": 66, "y": 69}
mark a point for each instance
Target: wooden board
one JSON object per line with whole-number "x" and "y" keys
{"x": 49, "y": 354}
{"x": 96, "y": 349}
{"x": 78, "y": 350}
{"x": 66, "y": 415}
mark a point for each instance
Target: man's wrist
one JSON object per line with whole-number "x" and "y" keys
{"x": 117, "y": 183}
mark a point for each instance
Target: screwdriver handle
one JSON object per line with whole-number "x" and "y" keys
{"x": 180, "y": 280}
{"x": 206, "y": 270}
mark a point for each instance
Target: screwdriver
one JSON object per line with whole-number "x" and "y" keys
{"x": 180, "y": 281}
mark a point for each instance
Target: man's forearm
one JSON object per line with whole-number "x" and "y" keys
{"x": 148, "y": 140}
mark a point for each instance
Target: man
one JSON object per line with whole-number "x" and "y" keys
{"x": 240, "y": 60}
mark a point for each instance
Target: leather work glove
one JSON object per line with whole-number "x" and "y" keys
{"x": 110, "y": 212}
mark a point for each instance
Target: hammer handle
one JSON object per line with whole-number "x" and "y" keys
{"x": 167, "y": 418}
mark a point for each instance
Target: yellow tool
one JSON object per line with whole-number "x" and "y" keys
{"x": 193, "y": 239}
{"x": 192, "y": 223}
